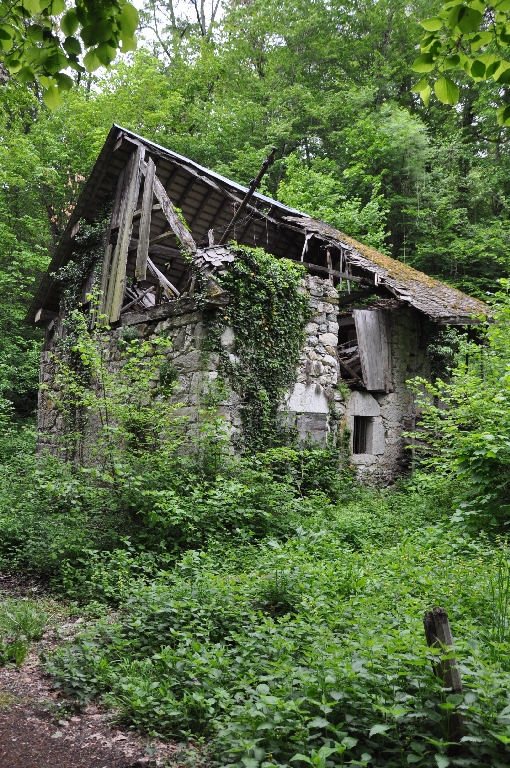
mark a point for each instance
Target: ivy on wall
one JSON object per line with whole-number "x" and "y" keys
{"x": 268, "y": 311}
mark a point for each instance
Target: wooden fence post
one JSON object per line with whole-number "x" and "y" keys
{"x": 439, "y": 635}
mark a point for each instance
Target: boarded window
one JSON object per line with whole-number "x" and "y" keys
{"x": 374, "y": 348}
{"x": 362, "y": 434}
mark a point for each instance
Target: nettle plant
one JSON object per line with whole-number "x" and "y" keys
{"x": 114, "y": 391}
{"x": 268, "y": 311}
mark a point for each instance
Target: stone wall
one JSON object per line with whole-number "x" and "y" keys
{"x": 318, "y": 402}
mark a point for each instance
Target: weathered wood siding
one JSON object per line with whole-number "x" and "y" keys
{"x": 374, "y": 348}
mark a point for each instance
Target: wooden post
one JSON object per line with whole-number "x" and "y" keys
{"x": 330, "y": 266}
{"x": 439, "y": 635}
{"x": 145, "y": 223}
{"x": 118, "y": 269}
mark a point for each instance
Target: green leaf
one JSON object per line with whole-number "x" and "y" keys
{"x": 450, "y": 61}
{"x": 318, "y": 722}
{"x": 303, "y": 758}
{"x": 65, "y": 83}
{"x": 105, "y": 54}
{"x": 35, "y": 33}
{"x": 349, "y": 742}
{"x": 92, "y": 34}
{"x": 469, "y": 19}
{"x": 4, "y": 35}
{"x": 478, "y": 69}
{"x": 424, "y": 63}
{"x": 14, "y": 65}
{"x": 26, "y": 75}
{"x": 503, "y": 115}
{"x": 425, "y": 95}
{"x": 446, "y": 91}
{"x": 432, "y": 24}
{"x": 30, "y": 6}
{"x": 379, "y": 728}
{"x": 502, "y": 74}
{"x": 56, "y": 7}
{"x": 52, "y": 98}
{"x": 442, "y": 761}
{"x": 503, "y": 6}
{"x": 128, "y": 44}
{"x": 420, "y": 85}
{"x": 56, "y": 62}
{"x": 129, "y": 19}
{"x": 72, "y": 46}
{"x": 90, "y": 61}
{"x": 481, "y": 39}
{"x": 69, "y": 23}
{"x": 36, "y": 56}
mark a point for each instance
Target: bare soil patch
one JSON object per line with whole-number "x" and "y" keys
{"x": 38, "y": 730}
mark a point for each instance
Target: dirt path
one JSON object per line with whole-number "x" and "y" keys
{"x": 34, "y": 735}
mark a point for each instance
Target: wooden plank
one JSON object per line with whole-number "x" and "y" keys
{"x": 354, "y": 296}
{"x": 138, "y": 213}
{"x": 119, "y": 199}
{"x": 142, "y": 252}
{"x": 371, "y": 330}
{"x": 173, "y": 219}
{"x": 334, "y": 272}
{"x": 118, "y": 271}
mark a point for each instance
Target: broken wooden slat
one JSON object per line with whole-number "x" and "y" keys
{"x": 439, "y": 635}
{"x": 142, "y": 252}
{"x": 330, "y": 266}
{"x": 118, "y": 270}
{"x": 349, "y": 370}
{"x": 374, "y": 348}
{"x": 136, "y": 299}
{"x": 43, "y": 316}
{"x": 165, "y": 283}
{"x": 173, "y": 219}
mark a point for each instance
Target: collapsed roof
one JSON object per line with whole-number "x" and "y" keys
{"x": 208, "y": 202}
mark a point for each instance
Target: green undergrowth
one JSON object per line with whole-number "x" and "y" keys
{"x": 268, "y": 606}
{"x": 307, "y": 648}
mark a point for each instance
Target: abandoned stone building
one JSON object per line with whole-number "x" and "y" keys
{"x": 371, "y": 317}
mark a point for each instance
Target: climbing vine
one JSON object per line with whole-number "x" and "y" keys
{"x": 267, "y": 312}
{"x": 87, "y": 255}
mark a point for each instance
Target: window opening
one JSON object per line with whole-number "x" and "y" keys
{"x": 362, "y": 435}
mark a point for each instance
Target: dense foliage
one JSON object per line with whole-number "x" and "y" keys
{"x": 329, "y": 85}
{"x": 267, "y": 606}
{"x": 472, "y": 37}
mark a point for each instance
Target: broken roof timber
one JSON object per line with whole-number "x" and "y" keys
{"x": 440, "y": 302}
{"x": 209, "y": 201}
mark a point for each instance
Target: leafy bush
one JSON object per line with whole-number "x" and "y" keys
{"x": 465, "y": 429}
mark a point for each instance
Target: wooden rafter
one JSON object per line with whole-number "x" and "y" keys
{"x": 171, "y": 215}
